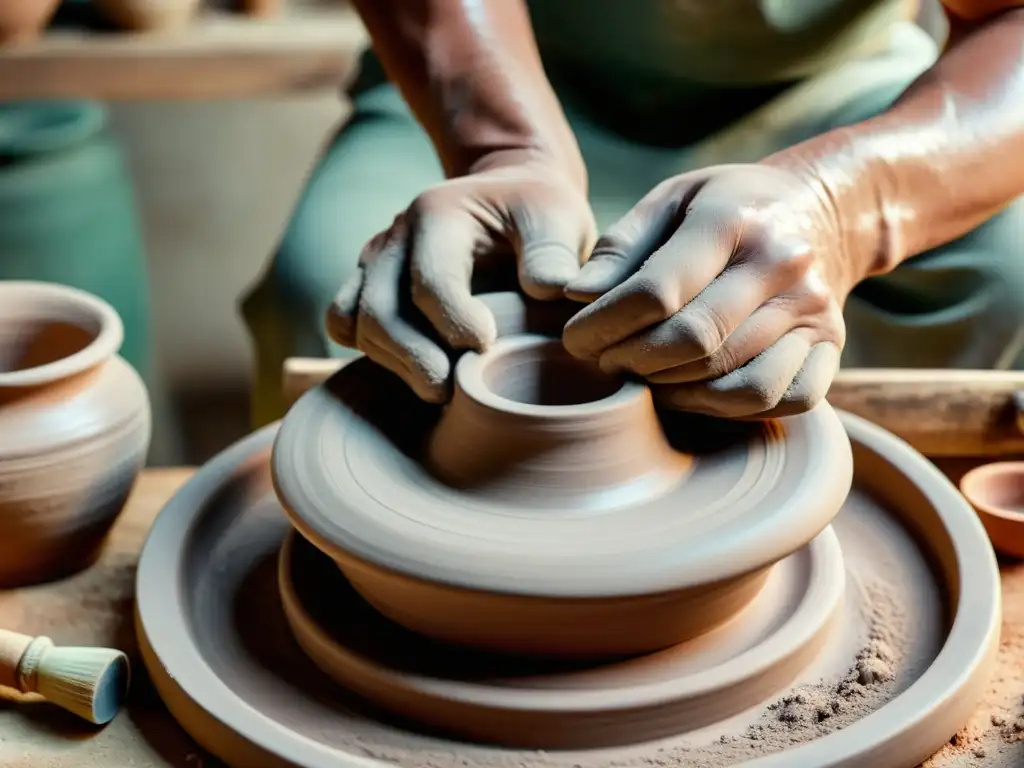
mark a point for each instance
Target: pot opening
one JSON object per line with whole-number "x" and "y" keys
{"x": 34, "y": 342}
{"x": 547, "y": 375}
{"x": 1001, "y": 490}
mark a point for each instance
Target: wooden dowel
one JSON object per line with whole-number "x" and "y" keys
{"x": 939, "y": 412}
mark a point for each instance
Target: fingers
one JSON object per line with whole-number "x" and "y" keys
{"x": 695, "y": 332}
{"x": 791, "y": 376}
{"x": 691, "y": 258}
{"x": 634, "y": 237}
{"x": 551, "y": 243}
{"x": 386, "y": 336}
{"x": 341, "y": 314}
{"x": 812, "y": 383}
{"x": 442, "y": 247}
{"x": 766, "y": 325}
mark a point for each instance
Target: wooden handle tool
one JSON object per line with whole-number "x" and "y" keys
{"x": 89, "y": 682}
{"x": 939, "y": 412}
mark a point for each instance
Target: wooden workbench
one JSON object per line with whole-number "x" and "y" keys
{"x": 95, "y": 607}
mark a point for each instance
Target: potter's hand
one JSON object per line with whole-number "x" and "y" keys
{"x": 411, "y": 298}
{"x": 723, "y": 288}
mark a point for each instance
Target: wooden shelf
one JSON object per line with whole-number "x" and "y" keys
{"x": 221, "y": 56}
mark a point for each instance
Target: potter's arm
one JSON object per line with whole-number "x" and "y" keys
{"x": 944, "y": 158}
{"x": 471, "y": 72}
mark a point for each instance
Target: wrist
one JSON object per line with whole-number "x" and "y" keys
{"x": 842, "y": 183}
{"x": 567, "y": 163}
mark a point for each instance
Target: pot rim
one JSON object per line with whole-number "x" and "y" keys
{"x": 973, "y": 483}
{"x": 20, "y": 298}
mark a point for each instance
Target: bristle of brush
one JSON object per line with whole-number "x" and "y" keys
{"x": 89, "y": 682}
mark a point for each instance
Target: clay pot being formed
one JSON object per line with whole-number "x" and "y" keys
{"x": 549, "y": 509}
{"x": 74, "y": 429}
{"x": 21, "y": 21}
{"x": 996, "y": 491}
{"x": 150, "y": 15}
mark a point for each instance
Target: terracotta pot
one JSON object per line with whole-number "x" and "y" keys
{"x": 261, "y": 8}
{"x": 150, "y": 15}
{"x": 996, "y": 491}
{"x": 21, "y": 21}
{"x": 74, "y": 429}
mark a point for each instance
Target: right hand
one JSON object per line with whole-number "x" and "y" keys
{"x": 410, "y": 298}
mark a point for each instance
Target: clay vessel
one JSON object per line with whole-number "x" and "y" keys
{"x": 996, "y": 491}
{"x": 261, "y": 8}
{"x": 548, "y": 509}
{"x": 150, "y": 15}
{"x": 21, "y": 21}
{"x": 74, "y": 429}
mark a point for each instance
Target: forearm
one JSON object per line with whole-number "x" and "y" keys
{"x": 944, "y": 158}
{"x": 471, "y": 73}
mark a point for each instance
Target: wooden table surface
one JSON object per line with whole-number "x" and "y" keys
{"x": 95, "y": 607}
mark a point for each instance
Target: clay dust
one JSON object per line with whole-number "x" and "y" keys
{"x": 804, "y": 713}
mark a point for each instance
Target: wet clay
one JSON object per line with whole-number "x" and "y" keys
{"x": 901, "y": 673}
{"x": 549, "y": 509}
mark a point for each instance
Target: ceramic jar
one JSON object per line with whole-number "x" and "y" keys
{"x": 74, "y": 429}
{"x": 21, "y": 21}
{"x": 153, "y": 15}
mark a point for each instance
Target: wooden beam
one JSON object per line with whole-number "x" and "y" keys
{"x": 939, "y": 412}
{"x": 942, "y": 413}
{"x": 221, "y": 55}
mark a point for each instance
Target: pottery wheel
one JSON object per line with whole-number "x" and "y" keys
{"x": 556, "y": 704}
{"x": 215, "y": 639}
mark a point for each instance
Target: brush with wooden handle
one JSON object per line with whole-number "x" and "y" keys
{"x": 88, "y": 682}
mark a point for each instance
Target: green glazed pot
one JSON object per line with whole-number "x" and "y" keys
{"x": 67, "y": 211}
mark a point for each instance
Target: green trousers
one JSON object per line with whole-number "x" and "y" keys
{"x": 959, "y": 306}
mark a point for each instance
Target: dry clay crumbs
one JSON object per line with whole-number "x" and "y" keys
{"x": 808, "y": 712}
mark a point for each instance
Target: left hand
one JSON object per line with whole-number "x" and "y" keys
{"x": 724, "y": 289}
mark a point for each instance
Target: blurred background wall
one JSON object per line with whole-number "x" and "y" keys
{"x": 216, "y": 182}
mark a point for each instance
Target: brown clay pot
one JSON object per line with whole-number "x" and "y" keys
{"x": 996, "y": 491}
{"x": 261, "y": 8}
{"x": 74, "y": 429}
{"x": 150, "y": 15}
{"x": 21, "y": 21}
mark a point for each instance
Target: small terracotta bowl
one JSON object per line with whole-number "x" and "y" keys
{"x": 996, "y": 491}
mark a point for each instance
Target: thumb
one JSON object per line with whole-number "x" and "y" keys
{"x": 630, "y": 241}
{"x": 550, "y": 246}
